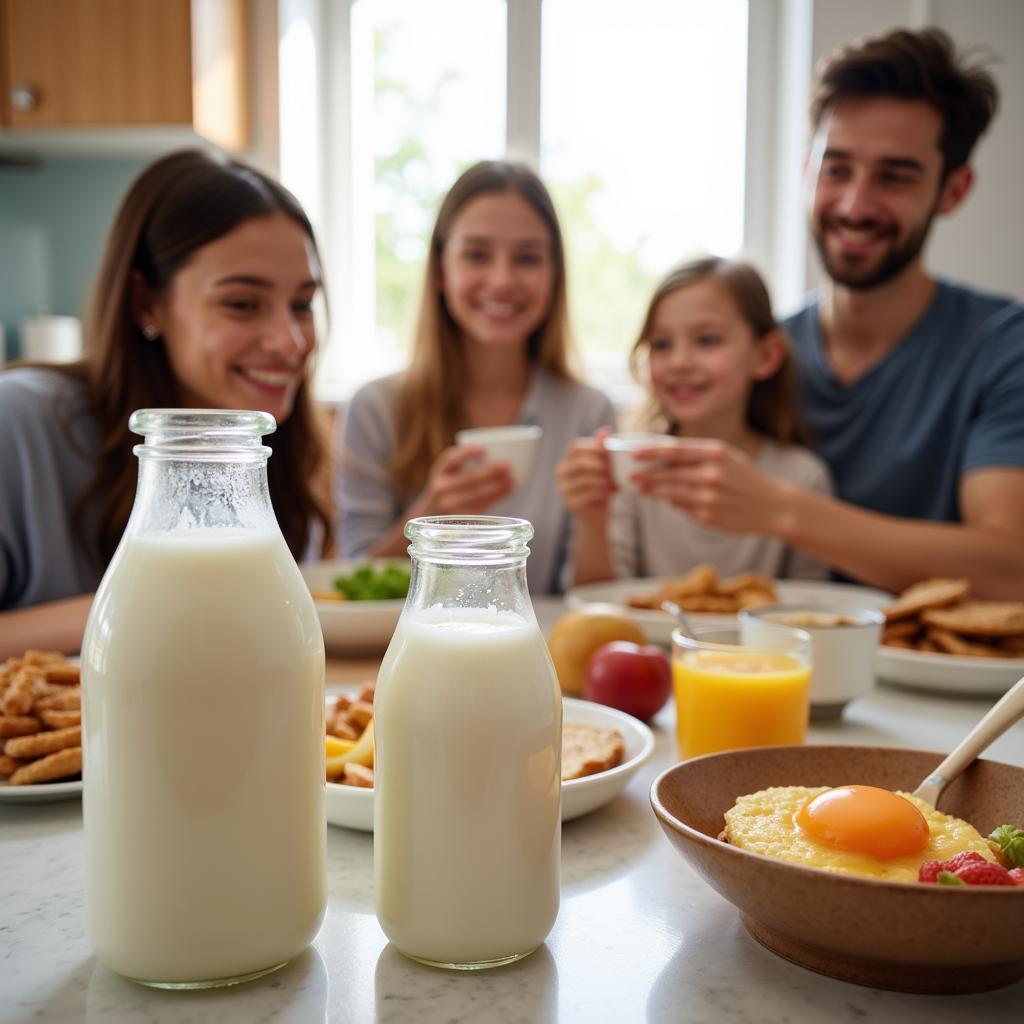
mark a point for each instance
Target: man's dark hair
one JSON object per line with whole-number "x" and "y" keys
{"x": 922, "y": 65}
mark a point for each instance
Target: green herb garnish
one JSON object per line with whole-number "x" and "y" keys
{"x": 374, "y": 583}
{"x": 948, "y": 878}
{"x": 1011, "y": 842}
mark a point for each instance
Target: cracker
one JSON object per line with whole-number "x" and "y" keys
{"x": 979, "y": 618}
{"x": 934, "y": 593}
{"x": 357, "y": 775}
{"x": 952, "y": 644}
{"x": 904, "y": 628}
{"x": 9, "y": 765}
{"x": 746, "y": 581}
{"x": 58, "y": 765}
{"x": 60, "y": 719}
{"x": 18, "y": 725}
{"x": 587, "y": 750}
{"x": 43, "y": 743}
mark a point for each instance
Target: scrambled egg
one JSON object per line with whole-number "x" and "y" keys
{"x": 765, "y": 823}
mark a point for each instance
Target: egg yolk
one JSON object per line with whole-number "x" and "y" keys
{"x": 865, "y": 819}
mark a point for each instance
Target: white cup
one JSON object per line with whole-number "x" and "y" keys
{"x": 51, "y": 339}
{"x": 621, "y": 447}
{"x": 515, "y": 445}
{"x": 845, "y": 642}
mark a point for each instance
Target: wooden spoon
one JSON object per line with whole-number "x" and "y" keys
{"x": 1008, "y": 710}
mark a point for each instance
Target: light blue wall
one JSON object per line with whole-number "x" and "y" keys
{"x": 53, "y": 221}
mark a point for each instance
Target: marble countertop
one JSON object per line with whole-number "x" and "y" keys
{"x": 639, "y": 936}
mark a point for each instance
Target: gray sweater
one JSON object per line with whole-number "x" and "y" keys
{"x": 49, "y": 445}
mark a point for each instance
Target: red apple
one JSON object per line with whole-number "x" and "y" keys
{"x": 633, "y": 678}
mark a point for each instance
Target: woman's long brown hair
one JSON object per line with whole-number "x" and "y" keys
{"x": 178, "y": 204}
{"x": 771, "y": 408}
{"x": 428, "y": 403}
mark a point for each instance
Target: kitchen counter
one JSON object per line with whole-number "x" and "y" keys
{"x": 639, "y": 936}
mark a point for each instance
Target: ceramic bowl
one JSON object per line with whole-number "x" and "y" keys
{"x": 515, "y": 445}
{"x": 910, "y": 937}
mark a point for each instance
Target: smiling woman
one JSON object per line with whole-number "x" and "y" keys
{"x": 203, "y": 299}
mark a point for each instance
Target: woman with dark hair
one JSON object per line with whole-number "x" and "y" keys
{"x": 203, "y": 299}
{"x": 491, "y": 349}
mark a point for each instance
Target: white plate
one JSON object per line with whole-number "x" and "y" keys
{"x": 352, "y": 807}
{"x": 952, "y": 673}
{"x": 42, "y": 793}
{"x": 658, "y": 625}
{"x": 351, "y": 626}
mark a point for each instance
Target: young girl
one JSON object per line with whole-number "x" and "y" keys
{"x": 202, "y": 299}
{"x": 717, "y": 372}
{"x": 491, "y": 349}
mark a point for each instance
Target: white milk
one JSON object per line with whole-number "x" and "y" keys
{"x": 203, "y": 734}
{"x": 467, "y": 833}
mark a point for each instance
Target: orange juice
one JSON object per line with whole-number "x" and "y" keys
{"x": 730, "y": 699}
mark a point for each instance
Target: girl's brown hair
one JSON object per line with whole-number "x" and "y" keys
{"x": 428, "y": 403}
{"x": 771, "y": 408}
{"x": 177, "y": 205}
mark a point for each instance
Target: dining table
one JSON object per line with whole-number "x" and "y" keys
{"x": 639, "y": 935}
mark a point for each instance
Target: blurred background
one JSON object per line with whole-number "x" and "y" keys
{"x": 663, "y": 128}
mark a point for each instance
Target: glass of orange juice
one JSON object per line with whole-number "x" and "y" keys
{"x": 730, "y": 694}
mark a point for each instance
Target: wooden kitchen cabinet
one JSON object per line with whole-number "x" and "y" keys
{"x": 122, "y": 64}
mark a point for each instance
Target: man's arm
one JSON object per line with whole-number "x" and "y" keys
{"x": 890, "y": 552}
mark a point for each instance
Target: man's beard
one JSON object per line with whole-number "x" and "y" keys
{"x": 893, "y": 264}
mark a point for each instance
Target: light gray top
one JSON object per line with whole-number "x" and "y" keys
{"x": 640, "y": 937}
{"x": 369, "y": 503}
{"x": 654, "y": 538}
{"x": 49, "y": 445}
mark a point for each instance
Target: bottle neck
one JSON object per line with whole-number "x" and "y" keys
{"x": 470, "y": 562}
{"x": 212, "y": 493}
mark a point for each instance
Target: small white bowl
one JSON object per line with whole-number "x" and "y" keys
{"x": 352, "y": 807}
{"x": 845, "y": 642}
{"x": 620, "y": 448}
{"x": 515, "y": 445}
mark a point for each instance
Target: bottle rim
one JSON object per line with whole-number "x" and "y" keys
{"x": 202, "y": 434}
{"x": 470, "y": 539}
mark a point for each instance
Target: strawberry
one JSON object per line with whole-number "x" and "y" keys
{"x": 1017, "y": 874}
{"x": 967, "y": 857}
{"x": 929, "y": 870}
{"x": 984, "y": 874}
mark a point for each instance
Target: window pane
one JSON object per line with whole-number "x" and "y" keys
{"x": 428, "y": 100}
{"x": 642, "y": 123}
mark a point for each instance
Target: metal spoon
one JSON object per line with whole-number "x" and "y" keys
{"x": 679, "y": 615}
{"x": 1008, "y": 710}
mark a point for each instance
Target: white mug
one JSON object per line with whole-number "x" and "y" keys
{"x": 51, "y": 339}
{"x": 844, "y": 640}
{"x": 516, "y": 445}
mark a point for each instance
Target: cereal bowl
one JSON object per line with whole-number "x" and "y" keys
{"x": 909, "y": 937}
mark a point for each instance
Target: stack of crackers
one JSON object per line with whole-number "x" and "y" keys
{"x": 938, "y": 616}
{"x": 40, "y": 719}
{"x": 700, "y": 590}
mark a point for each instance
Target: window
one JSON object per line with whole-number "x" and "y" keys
{"x": 632, "y": 110}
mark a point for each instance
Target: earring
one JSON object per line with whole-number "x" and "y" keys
{"x": 150, "y": 333}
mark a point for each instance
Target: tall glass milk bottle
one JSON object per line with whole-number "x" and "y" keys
{"x": 203, "y": 684}
{"x": 467, "y": 768}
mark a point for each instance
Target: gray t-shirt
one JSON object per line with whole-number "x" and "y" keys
{"x": 654, "y": 538}
{"x": 369, "y": 504}
{"x": 49, "y": 446}
{"x": 947, "y": 399}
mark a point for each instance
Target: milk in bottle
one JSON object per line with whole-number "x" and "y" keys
{"x": 202, "y": 676}
{"x": 467, "y": 724}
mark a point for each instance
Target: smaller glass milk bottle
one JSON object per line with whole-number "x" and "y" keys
{"x": 203, "y": 682}
{"x": 467, "y": 770}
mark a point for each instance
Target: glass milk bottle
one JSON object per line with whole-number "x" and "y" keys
{"x": 203, "y": 684}
{"x": 468, "y": 730}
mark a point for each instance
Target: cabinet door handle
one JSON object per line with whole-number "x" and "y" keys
{"x": 23, "y": 97}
